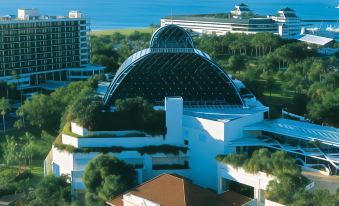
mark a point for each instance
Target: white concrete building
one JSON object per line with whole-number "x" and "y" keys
{"x": 241, "y": 9}
{"x": 289, "y": 23}
{"x": 239, "y": 20}
{"x": 205, "y": 114}
{"x": 37, "y": 49}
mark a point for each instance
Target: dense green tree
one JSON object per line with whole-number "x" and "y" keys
{"x": 42, "y": 111}
{"x": 106, "y": 176}
{"x": 46, "y": 111}
{"x": 28, "y": 147}
{"x": 51, "y": 191}
{"x": 267, "y": 63}
{"x": 236, "y": 63}
{"x": 326, "y": 110}
{"x": 86, "y": 110}
{"x": 133, "y": 107}
{"x": 10, "y": 151}
{"x": 270, "y": 83}
{"x": 299, "y": 104}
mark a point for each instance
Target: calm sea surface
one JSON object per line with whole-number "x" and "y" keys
{"x": 106, "y": 14}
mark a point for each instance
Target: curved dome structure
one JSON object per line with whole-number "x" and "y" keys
{"x": 173, "y": 67}
{"x": 171, "y": 36}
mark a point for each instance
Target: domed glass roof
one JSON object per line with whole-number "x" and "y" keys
{"x": 171, "y": 36}
{"x": 173, "y": 67}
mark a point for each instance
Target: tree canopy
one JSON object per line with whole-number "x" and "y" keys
{"x": 51, "y": 191}
{"x": 105, "y": 177}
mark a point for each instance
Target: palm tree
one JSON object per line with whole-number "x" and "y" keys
{"x": 16, "y": 76}
{"x": 28, "y": 147}
{"x": 20, "y": 112}
{"x": 5, "y": 107}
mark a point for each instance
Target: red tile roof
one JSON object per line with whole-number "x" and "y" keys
{"x": 170, "y": 190}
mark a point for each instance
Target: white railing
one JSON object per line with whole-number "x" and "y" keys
{"x": 252, "y": 202}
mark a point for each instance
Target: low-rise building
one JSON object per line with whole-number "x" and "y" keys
{"x": 240, "y": 20}
{"x": 205, "y": 116}
{"x": 171, "y": 190}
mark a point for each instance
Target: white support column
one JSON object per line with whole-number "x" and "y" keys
{"x": 174, "y": 113}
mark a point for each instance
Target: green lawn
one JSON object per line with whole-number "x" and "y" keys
{"x": 37, "y": 170}
{"x": 43, "y": 144}
{"x": 127, "y": 31}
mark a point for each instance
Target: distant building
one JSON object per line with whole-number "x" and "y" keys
{"x": 241, "y": 9}
{"x": 288, "y": 22}
{"x": 39, "y": 48}
{"x": 239, "y": 20}
{"x": 316, "y": 40}
{"x": 172, "y": 190}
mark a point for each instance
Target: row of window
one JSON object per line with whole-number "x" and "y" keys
{"x": 12, "y": 49}
{"x": 45, "y": 57}
{"x": 38, "y": 31}
{"x": 38, "y": 62}
{"x": 8, "y": 71}
{"x": 40, "y": 24}
{"x": 33, "y": 36}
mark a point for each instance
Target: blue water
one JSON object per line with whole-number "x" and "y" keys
{"x": 107, "y": 14}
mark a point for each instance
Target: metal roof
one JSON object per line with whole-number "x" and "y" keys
{"x": 313, "y": 39}
{"x": 297, "y": 129}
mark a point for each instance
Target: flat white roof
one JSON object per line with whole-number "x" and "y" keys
{"x": 313, "y": 39}
{"x": 297, "y": 129}
{"x": 221, "y": 113}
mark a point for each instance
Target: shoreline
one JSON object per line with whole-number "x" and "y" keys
{"x": 123, "y": 31}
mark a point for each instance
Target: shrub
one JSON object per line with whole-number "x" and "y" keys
{"x": 236, "y": 160}
{"x": 23, "y": 176}
{"x": 86, "y": 110}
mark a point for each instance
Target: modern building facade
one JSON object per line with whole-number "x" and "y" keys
{"x": 289, "y": 24}
{"x": 37, "y": 48}
{"x": 241, "y": 9}
{"x": 239, "y": 20}
{"x": 207, "y": 121}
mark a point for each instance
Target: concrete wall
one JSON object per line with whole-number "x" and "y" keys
{"x": 77, "y": 129}
{"x": 64, "y": 160}
{"x": 234, "y": 129}
{"x": 174, "y": 111}
{"x": 259, "y": 181}
{"x": 205, "y": 140}
{"x": 75, "y": 164}
{"x": 128, "y": 142}
{"x": 271, "y": 203}
{"x": 209, "y": 138}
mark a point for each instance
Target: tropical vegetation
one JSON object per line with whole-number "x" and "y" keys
{"x": 288, "y": 185}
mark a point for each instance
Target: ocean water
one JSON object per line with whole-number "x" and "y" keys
{"x": 106, "y": 14}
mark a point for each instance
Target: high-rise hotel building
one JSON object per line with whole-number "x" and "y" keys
{"x": 37, "y": 48}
